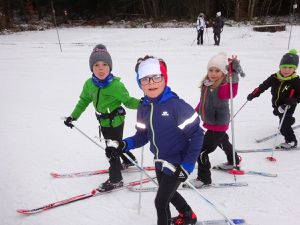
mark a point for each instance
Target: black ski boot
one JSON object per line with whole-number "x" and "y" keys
{"x": 108, "y": 186}
{"x": 187, "y": 218}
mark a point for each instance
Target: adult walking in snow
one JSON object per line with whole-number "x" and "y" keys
{"x": 218, "y": 25}
{"x": 201, "y": 25}
{"x": 173, "y": 129}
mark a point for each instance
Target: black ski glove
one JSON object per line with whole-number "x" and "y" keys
{"x": 68, "y": 122}
{"x": 181, "y": 174}
{"x": 112, "y": 153}
{"x": 115, "y": 148}
{"x": 253, "y": 95}
{"x": 290, "y": 101}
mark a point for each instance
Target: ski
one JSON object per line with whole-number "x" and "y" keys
{"x": 249, "y": 172}
{"x": 96, "y": 172}
{"x": 185, "y": 186}
{"x": 93, "y": 193}
{"x": 250, "y": 150}
{"x": 222, "y": 222}
{"x": 273, "y": 135}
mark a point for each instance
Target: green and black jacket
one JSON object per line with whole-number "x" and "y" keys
{"x": 281, "y": 88}
{"x": 105, "y": 101}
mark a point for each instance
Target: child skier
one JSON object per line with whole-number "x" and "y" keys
{"x": 173, "y": 129}
{"x": 215, "y": 114}
{"x": 107, "y": 93}
{"x": 285, "y": 91}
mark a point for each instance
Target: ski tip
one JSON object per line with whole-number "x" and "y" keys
{"x": 94, "y": 191}
{"x": 22, "y": 211}
{"x": 271, "y": 159}
{"x": 54, "y": 175}
{"x": 236, "y": 172}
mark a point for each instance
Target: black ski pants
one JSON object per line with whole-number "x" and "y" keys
{"x": 114, "y": 133}
{"x": 166, "y": 193}
{"x": 217, "y": 38}
{"x": 286, "y": 128}
{"x": 200, "y": 37}
{"x": 212, "y": 140}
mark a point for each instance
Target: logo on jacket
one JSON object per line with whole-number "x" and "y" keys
{"x": 286, "y": 87}
{"x": 165, "y": 113}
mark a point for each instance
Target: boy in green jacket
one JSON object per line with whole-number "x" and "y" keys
{"x": 107, "y": 93}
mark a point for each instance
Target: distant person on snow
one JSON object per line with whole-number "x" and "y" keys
{"x": 107, "y": 93}
{"x": 201, "y": 25}
{"x": 218, "y": 25}
{"x": 173, "y": 129}
{"x": 285, "y": 91}
{"x": 215, "y": 114}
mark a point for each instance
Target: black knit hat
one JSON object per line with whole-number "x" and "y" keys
{"x": 290, "y": 59}
{"x": 100, "y": 53}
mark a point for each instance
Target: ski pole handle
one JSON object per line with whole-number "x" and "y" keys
{"x": 230, "y": 68}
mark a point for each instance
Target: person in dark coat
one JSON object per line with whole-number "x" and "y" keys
{"x": 218, "y": 25}
{"x": 285, "y": 91}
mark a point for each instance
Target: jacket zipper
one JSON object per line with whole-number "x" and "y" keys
{"x": 278, "y": 93}
{"x": 152, "y": 129}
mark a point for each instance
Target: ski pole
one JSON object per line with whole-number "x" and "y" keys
{"x": 209, "y": 202}
{"x": 54, "y": 19}
{"x": 131, "y": 160}
{"x": 271, "y": 158}
{"x": 193, "y": 41}
{"x": 206, "y": 31}
{"x": 294, "y": 7}
{"x": 172, "y": 168}
{"x": 141, "y": 178}
{"x": 239, "y": 109}
{"x": 234, "y": 171}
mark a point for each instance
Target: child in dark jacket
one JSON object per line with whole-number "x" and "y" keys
{"x": 215, "y": 114}
{"x": 107, "y": 93}
{"x": 173, "y": 129}
{"x": 285, "y": 91}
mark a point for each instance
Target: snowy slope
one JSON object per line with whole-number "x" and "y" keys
{"x": 40, "y": 84}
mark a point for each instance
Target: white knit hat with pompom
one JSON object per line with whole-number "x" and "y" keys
{"x": 219, "y": 61}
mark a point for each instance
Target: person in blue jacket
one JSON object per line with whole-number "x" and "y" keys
{"x": 173, "y": 128}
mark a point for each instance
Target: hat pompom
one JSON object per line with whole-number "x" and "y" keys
{"x": 293, "y": 51}
{"x": 100, "y": 46}
{"x": 100, "y": 53}
{"x": 290, "y": 59}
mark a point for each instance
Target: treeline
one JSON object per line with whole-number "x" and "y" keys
{"x": 29, "y": 11}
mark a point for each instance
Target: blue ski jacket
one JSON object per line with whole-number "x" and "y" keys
{"x": 173, "y": 128}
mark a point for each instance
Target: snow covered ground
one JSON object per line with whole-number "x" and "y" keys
{"x": 40, "y": 84}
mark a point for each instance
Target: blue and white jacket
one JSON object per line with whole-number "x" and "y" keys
{"x": 173, "y": 128}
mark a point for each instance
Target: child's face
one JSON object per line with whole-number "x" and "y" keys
{"x": 153, "y": 85}
{"x": 287, "y": 71}
{"x": 101, "y": 70}
{"x": 214, "y": 74}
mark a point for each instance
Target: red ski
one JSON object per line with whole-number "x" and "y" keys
{"x": 93, "y": 193}
{"x": 96, "y": 172}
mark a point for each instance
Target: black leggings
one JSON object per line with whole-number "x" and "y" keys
{"x": 200, "y": 37}
{"x": 166, "y": 193}
{"x": 212, "y": 140}
{"x": 286, "y": 128}
{"x": 114, "y": 133}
